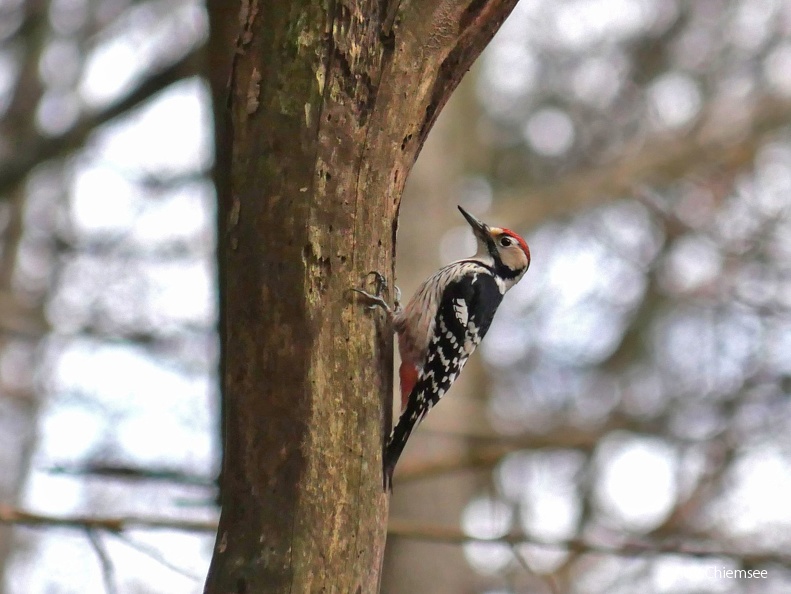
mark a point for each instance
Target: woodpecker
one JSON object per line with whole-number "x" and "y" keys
{"x": 444, "y": 321}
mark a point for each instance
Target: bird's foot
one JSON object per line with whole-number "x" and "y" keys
{"x": 376, "y": 299}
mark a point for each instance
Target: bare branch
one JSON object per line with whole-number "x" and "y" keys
{"x": 624, "y": 548}
{"x": 120, "y": 471}
{"x": 12, "y": 515}
{"x": 488, "y": 450}
{"x": 631, "y": 548}
{"x": 154, "y": 555}
{"x": 724, "y": 141}
{"x": 17, "y": 167}
{"x": 108, "y": 572}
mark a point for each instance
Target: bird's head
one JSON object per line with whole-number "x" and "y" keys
{"x": 504, "y": 249}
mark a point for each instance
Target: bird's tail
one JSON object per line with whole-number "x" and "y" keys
{"x": 395, "y": 445}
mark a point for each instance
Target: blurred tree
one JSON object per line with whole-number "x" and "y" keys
{"x": 59, "y": 115}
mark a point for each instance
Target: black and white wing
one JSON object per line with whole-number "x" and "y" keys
{"x": 464, "y": 314}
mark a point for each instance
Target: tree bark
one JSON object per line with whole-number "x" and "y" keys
{"x": 329, "y": 104}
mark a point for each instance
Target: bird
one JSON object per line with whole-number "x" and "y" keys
{"x": 444, "y": 322}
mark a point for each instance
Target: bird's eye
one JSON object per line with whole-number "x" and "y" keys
{"x": 505, "y": 241}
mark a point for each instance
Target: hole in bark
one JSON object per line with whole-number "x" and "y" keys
{"x": 327, "y": 176}
{"x": 329, "y": 117}
{"x": 330, "y": 228}
{"x": 343, "y": 259}
{"x": 388, "y": 41}
{"x": 407, "y": 138}
{"x": 241, "y": 586}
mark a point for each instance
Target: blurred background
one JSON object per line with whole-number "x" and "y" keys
{"x": 628, "y": 414}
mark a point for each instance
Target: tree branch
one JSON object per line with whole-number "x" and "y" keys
{"x": 488, "y": 450}
{"x": 631, "y": 548}
{"x": 108, "y": 571}
{"x": 18, "y": 517}
{"x": 14, "y": 170}
{"x": 625, "y": 548}
{"x": 154, "y": 555}
{"x": 722, "y": 140}
{"x": 132, "y": 473}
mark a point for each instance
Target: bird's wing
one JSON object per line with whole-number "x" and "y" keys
{"x": 464, "y": 315}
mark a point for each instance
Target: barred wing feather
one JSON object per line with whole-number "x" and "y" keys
{"x": 466, "y": 310}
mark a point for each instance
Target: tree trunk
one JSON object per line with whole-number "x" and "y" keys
{"x": 329, "y": 104}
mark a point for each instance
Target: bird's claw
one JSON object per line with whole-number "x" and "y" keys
{"x": 376, "y": 298}
{"x": 380, "y": 280}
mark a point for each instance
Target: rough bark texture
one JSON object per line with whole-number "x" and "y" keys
{"x": 329, "y": 105}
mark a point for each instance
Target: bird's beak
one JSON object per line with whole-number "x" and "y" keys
{"x": 480, "y": 229}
